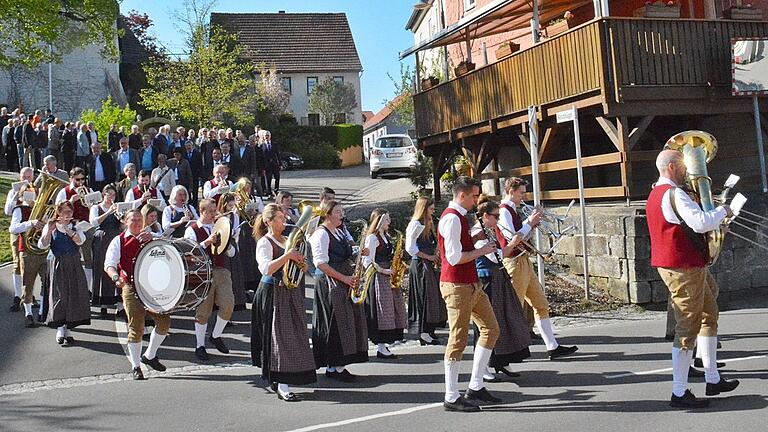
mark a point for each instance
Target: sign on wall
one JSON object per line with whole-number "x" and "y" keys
{"x": 750, "y": 66}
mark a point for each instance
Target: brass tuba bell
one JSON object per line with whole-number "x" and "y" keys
{"x": 43, "y": 210}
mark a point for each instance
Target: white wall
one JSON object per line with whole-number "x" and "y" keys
{"x": 300, "y": 99}
{"x": 428, "y": 27}
{"x": 370, "y": 138}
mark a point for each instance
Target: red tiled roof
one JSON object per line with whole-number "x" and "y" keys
{"x": 383, "y": 114}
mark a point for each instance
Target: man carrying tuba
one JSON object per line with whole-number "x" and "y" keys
{"x": 679, "y": 252}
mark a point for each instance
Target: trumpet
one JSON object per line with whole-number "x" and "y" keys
{"x": 526, "y": 244}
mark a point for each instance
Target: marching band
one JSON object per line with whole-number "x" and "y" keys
{"x": 472, "y": 264}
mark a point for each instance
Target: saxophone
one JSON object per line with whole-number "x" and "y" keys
{"x": 362, "y": 279}
{"x": 398, "y": 266}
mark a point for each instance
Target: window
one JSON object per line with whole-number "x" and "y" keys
{"x": 469, "y": 4}
{"x": 339, "y": 118}
{"x": 286, "y": 81}
{"x": 311, "y": 83}
{"x": 339, "y": 79}
{"x": 313, "y": 119}
{"x": 393, "y": 142}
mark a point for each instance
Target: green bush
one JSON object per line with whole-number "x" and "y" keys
{"x": 349, "y": 135}
{"x": 319, "y": 156}
{"x": 110, "y": 114}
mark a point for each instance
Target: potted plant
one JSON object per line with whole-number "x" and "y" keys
{"x": 462, "y": 166}
{"x": 506, "y": 49}
{"x": 659, "y": 9}
{"x": 429, "y": 82}
{"x": 463, "y": 68}
{"x": 560, "y": 25}
{"x": 743, "y": 10}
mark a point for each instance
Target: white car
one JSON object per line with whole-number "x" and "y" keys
{"x": 392, "y": 154}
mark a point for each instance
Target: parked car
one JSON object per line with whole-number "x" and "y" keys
{"x": 289, "y": 161}
{"x": 392, "y": 154}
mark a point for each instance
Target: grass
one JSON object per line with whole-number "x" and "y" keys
{"x": 5, "y": 222}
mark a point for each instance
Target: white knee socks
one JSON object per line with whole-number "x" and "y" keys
{"x": 283, "y": 389}
{"x": 451, "y": 380}
{"x": 545, "y": 328}
{"x": 426, "y": 337}
{"x": 489, "y": 374}
{"x": 89, "y": 278}
{"x": 28, "y": 309}
{"x": 155, "y": 340}
{"x": 60, "y": 332}
{"x": 200, "y": 330}
{"x": 479, "y": 367}
{"x": 134, "y": 353}
{"x": 17, "y": 284}
{"x": 218, "y": 328}
{"x": 681, "y": 362}
{"x": 708, "y": 350}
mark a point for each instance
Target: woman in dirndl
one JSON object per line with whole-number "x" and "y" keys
{"x": 384, "y": 304}
{"x": 339, "y": 330}
{"x": 68, "y": 297}
{"x": 514, "y": 334}
{"x": 179, "y": 213}
{"x": 107, "y": 226}
{"x": 426, "y": 307}
{"x": 152, "y": 220}
{"x": 279, "y": 339}
{"x": 247, "y": 241}
{"x": 235, "y": 264}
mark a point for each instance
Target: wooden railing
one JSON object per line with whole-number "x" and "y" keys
{"x": 607, "y": 55}
{"x": 562, "y": 67}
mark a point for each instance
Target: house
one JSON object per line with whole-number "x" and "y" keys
{"x": 637, "y": 73}
{"x": 384, "y": 122}
{"x": 367, "y": 115}
{"x": 305, "y": 48}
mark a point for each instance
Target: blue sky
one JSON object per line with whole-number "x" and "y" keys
{"x": 378, "y": 27}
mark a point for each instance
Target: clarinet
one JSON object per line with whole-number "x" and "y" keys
{"x": 492, "y": 238}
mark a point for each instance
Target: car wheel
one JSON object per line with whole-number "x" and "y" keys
{"x": 374, "y": 174}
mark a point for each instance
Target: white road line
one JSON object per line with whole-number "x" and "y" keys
{"x": 367, "y": 418}
{"x": 655, "y": 371}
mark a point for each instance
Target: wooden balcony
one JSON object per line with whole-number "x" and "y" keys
{"x": 625, "y": 66}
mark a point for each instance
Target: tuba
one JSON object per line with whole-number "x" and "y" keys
{"x": 245, "y": 204}
{"x": 293, "y": 272}
{"x": 398, "y": 266}
{"x": 43, "y": 210}
{"x": 699, "y": 148}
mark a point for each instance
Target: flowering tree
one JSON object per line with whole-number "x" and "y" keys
{"x": 272, "y": 96}
{"x": 330, "y": 98}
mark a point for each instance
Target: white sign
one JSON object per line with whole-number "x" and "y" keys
{"x": 750, "y": 66}
{"x": 566, "y": 116}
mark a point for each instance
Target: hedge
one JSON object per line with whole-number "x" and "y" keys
{"x": 318, "y": 145}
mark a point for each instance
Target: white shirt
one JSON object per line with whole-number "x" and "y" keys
{"x": 112, "y": 255}
{"x": 10, "y": 202}
{"x": 166, "y": 183}
{"x": 168, "y": 212}
{"x": 62, "y": 195}
{"x": 17, "y": 226}
{"x": 371, "y": 243}
{"x": 94, "y": 215}
{"x": 137, "y": 201}
{"x": 79, "y": 239}
{"x": 189, "y": 233}
{"x": 98, "y": 170}
{"x": 480, "y": 243}
{"x": 211, "y": 191}
{"x": 505, "y": 220}
{"x": 320, "y": 242}
{"x": 412, "y": 233}
{"x": 264, "y": 251}
{"x": 450, "y": 228}
{"x": 698, "y": 220}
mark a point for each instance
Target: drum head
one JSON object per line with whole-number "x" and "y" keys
{"x": 223, "y": 226}
{"x": 159, "y": 276}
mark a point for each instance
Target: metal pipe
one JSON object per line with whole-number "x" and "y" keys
{"x": 760, "y": 149}
{"x": 748, "y": 240}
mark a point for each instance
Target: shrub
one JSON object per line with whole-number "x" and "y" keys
{"x": 348, "y": 135}
{"x": 319, "y": 156}
{"x": 110, "y": 114}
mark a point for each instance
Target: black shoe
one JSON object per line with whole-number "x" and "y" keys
{"x": 460, "y": 405}
{"x": 562, "y": 351}
{"x": 201, "y": 354}
{"x": 481, "y": 395}
{"x": 724, "y": 386}
{"x": 41, "y": 318}
{"x": 60, "y": 340}
{"x": 29, "y": 322}
{"x": 145, "y": 337}
{"x": 391, "y": 356}
{"x": 535, "y": 336}
{"x": 346, "y": 376}
{"x": 35, "y": 303}
{"x": 273, "y": 387}
{"x": 15, "y": 305}
{"x": 154, "y": 363}
{"x": 694, "y": 373}
{"x": 120, "y": 313}
{"x": 422, "y": 342}
{"x": 688, "y": 400}
{"x": 103, "y": 313}
{"x": 507, "y": 372}
{"x": 219, "y": 344}
{"x": 290, "y": 397}
{"x": 669, "y": 337}
{"x": 138, "y": 375}
{"x": 700, "y": 364}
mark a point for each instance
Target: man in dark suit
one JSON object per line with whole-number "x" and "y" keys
{"x": 124, "y": 156}
{"x": 206, "y": 151}
{"x": 256, "y": 166}
{"x": 134, "y": 139}
{"x": 230, "y": 159}
{"x": 181, "y": 170}
{"x": 272, "y": 163}
{"x": 195, "y": 160}
{"x": 159, "y": 142}
{"x": 101, "y": 168}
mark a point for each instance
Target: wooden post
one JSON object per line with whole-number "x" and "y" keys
{"x": 418, "y": 73}
{"x": 622, "y": 134}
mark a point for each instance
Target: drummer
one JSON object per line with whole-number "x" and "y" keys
{"x": 221, "y": 284}
{"x": 118, "y": 263}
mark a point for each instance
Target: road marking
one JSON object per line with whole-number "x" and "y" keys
{"x": 655, "y": 371}
{"x": 368, "y": 418}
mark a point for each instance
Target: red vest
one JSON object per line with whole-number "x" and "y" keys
{"x": 670, "y": 245}
{"x": 462, "y": 273}
{"x": 214, "y": 184}
{"x": 500, "y": 237}
{"x": 129, "y": 247}
{"x": 80, "y": 212}
{"x": 202, "y": 234}
{"x": 22, "y": 238}
{"x": 137, "y": 193}
{"x": 517, "y": 224}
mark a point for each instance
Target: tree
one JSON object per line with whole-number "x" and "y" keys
{"x": 38, "y": 31}
{"x": 211, "y": 86}
{"x": 139, "y": 24}
{"x": 330, "y": 97}
{"x": 110, "y": 114}
{"x": 402, "y": 104}
{"x": 273, "y": 98}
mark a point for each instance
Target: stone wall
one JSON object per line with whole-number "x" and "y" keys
{"x": 618, "y": 247}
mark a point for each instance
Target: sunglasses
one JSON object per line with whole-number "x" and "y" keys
{"x": 494, "y": 215}
{"x": 80, "y": 179}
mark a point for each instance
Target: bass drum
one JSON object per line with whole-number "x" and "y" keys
{"x": 171, "y": 275}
